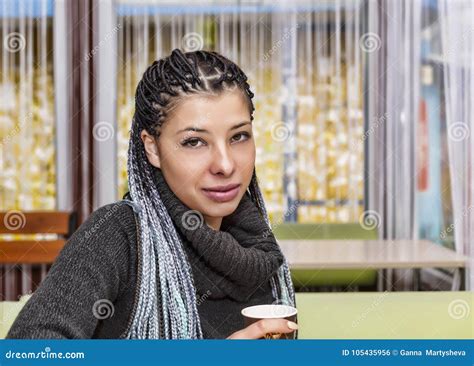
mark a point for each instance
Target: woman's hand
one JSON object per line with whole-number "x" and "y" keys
{"x": 261, "y": 327}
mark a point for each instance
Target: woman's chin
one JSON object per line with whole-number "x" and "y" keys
{"x": 213, "y": 209}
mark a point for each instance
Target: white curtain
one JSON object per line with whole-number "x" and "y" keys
{"x": 393, "y": 88}
{"x": 457, "y": 30}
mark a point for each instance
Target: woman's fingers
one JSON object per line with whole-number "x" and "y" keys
{"x": 260, "y": 328}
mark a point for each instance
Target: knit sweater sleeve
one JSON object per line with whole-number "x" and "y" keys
{"x": 82, "y": 284}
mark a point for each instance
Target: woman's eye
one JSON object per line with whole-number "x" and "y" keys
{"x": 191, "y": 142}
{"x": 244, "y": 134}
{"x": 194, "y": 141}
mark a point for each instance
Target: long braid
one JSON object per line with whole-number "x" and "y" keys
{"x": 160, "y": 245}
{"x": 286, "y": 295}
{"x": 171, "y": 300}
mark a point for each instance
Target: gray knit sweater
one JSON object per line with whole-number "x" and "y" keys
{"x": 91, "y": 289}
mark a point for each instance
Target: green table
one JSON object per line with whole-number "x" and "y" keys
{"x": 386, "y": 315}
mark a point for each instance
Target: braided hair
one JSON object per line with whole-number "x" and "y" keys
{"x": 163, "y": 85}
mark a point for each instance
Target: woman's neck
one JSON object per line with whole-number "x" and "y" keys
{"x": 213, "y": 222}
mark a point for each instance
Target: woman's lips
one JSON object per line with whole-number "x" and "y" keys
{"x": 222, "y": 196}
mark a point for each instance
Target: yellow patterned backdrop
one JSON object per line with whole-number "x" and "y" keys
{"x": 27, "y": 124}
{"x": 329, "y": 107}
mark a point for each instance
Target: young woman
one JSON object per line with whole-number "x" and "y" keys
{"x": 190, "y": 245}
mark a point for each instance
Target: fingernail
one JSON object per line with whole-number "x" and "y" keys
{"x": 292, "y": 325}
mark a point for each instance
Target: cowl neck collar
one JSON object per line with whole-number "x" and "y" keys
{"x": 232, "y": 262}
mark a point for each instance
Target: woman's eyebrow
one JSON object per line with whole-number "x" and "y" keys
{"x": 195, "y": 129}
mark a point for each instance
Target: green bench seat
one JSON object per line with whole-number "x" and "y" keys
{"x": 304, "y": 278}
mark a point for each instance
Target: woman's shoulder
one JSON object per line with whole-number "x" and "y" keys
{"x": 121, "y": 212}
{"x": 110, "y": 229}
{"x": 119, "y": 215}
{"x": 96, "y": 265}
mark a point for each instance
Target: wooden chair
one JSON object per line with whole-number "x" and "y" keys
{"x": 24, "y": 262}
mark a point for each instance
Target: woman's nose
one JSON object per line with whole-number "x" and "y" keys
{"x": 222, "y": 161}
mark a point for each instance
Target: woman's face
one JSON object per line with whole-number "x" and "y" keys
{"x": 206, "y": 143}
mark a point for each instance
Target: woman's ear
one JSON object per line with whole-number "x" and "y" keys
{"x": 151, "y": 149}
